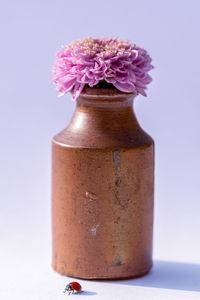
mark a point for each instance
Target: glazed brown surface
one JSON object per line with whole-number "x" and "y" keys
{"x": 102, "y": 190}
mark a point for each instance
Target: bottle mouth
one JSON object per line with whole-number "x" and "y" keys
{"x": 110, "y": 92}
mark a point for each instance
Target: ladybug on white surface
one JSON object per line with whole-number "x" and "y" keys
{"x": 72, "y": 288}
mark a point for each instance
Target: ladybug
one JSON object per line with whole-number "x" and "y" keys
{"x": 73, "y": 287}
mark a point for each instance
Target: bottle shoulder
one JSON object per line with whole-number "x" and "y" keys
{"x": 105, "y": 139}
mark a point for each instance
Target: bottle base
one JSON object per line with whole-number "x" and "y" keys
{"x": 104, "y": 277}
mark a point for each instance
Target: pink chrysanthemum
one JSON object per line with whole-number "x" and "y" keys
{"x": 87, "y": 62}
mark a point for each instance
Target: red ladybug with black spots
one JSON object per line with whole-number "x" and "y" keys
{"x": 72, "y": 288}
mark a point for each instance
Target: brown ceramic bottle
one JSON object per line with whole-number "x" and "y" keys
{"x": 102, "y": 190}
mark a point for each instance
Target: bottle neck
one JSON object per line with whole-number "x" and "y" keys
{"x": 104, "y": 113}
{"x": 104, "y": 120}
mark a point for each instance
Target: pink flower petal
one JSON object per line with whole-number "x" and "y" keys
{"x": 77, "y": 90}
{"x": 125, "y": 87}
{"x": 91, "y": 60}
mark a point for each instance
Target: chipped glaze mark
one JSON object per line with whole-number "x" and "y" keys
{"x": 91, "y": 196}
{"x": 94, "y": 229}
{"x": 117, "y": 261}
{"x": 116, "y": 157}
{"x": 116, "y": 160}
{"x": 117, "y": 220}
{"x": 118, "y": 181}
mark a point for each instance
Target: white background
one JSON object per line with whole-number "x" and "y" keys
{"x": 31, "y": 113}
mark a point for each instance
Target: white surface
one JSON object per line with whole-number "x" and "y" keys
{"x": 164, "y": 282}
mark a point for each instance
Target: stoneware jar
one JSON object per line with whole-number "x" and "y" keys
{"x": 102, "y": 190}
